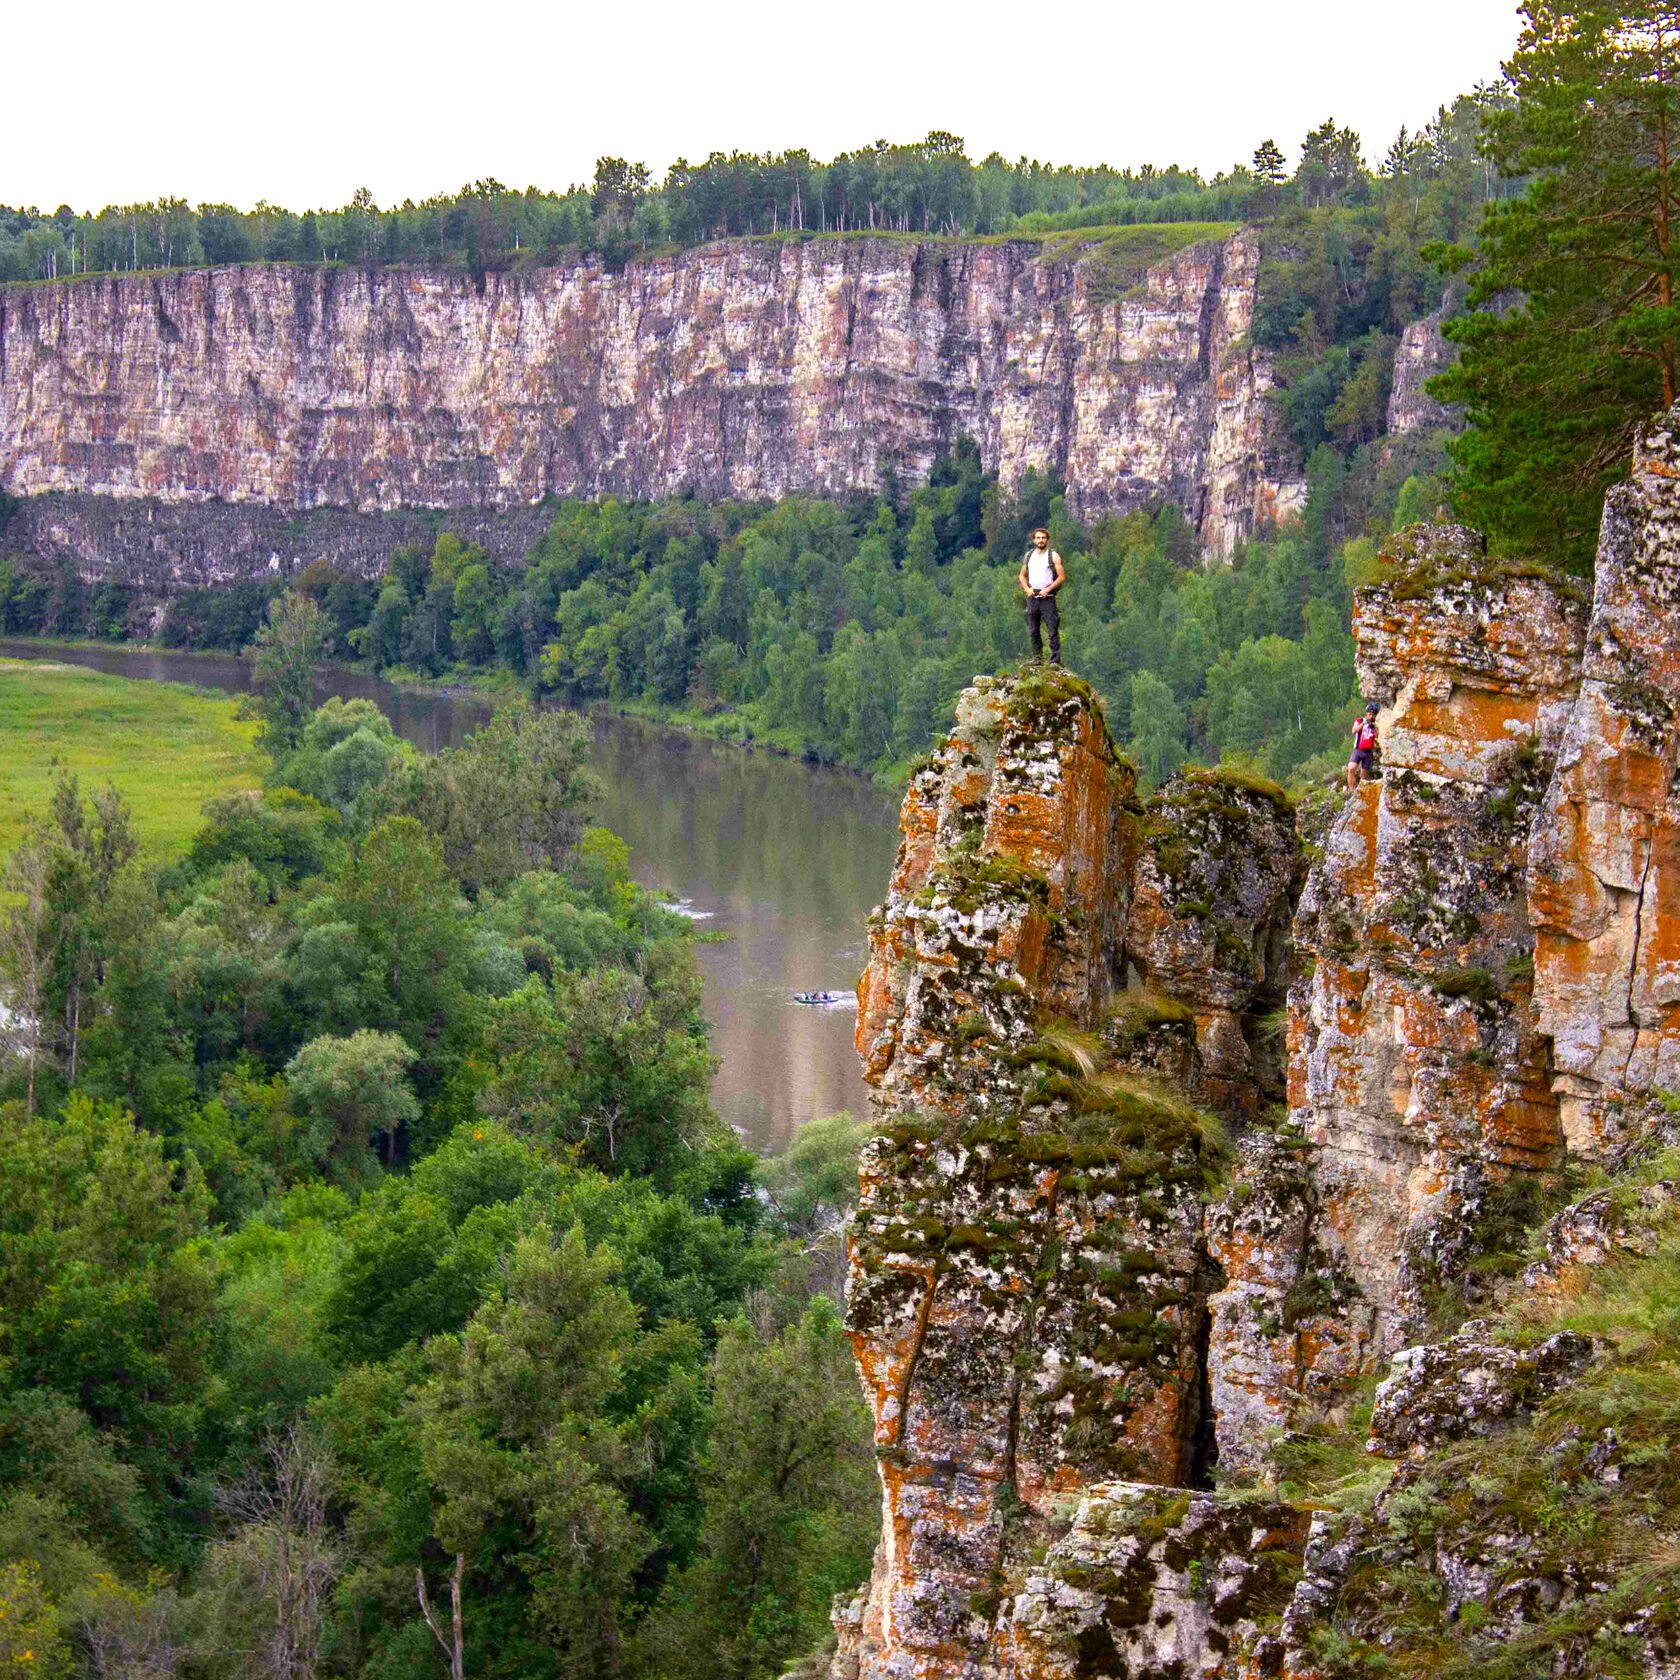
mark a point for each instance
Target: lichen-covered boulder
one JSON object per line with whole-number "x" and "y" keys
{"x": 1598, "y": 1228}
{"x": 1153, "y": 1584}
{"x": 1466, "y": 1386}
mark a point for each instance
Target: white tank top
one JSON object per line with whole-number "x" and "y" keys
{"x": 1040, "y": 572}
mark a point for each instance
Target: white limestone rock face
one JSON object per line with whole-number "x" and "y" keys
{"x": 1422, "y": 353}
{"x": 746, "y": 370}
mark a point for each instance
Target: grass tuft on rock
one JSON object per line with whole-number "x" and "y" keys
{"x": 1241, "y": 777}
{"x": 1571, "y": 1515}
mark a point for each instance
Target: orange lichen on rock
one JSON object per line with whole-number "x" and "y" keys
{"x": 1418, "y": 1075}
{"x": 1030, "y": 1275}
{"x": 1604, "y": 862}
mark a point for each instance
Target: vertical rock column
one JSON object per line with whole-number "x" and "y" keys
{"x": 1026, "y": 1288}
{"x": 1216, "y": 883}
{"x": 1604, "y": 870}
{"x": 1419, "y": 1076}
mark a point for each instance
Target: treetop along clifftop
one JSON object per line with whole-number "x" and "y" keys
{"x": 1570, "y": 344}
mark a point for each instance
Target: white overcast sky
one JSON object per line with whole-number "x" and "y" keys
{"x": 302, "y": 102}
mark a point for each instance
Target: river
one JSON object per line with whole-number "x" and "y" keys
{"x": 783, "y": 858}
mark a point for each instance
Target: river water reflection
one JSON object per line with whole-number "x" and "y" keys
{"x": 785, "y": 858}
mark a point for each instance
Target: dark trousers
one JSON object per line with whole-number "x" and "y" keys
{"x": 1041, "y": 611}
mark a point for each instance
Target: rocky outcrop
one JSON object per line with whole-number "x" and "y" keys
{"x": 1467, "y": 1386}
{"x": 1029, "y": 1284}
{"x": 1422, "y": 353}
{"x": 747, "y": 370}
{"x": 1419, "y": 1076}
{"x": 1488, "y": 979}
{"x": 1604, "y": 866}
{"x": 1483, "y": 991}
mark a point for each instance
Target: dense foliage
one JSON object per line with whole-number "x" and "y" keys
{"x": 366, "y": 1227}
{"x": 1573, "y": 346}
{"x": 929, "y": 187}
{"x": 845, "y": 631}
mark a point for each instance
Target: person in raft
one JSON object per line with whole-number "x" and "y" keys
{"x": 1364, "y": 759}
{"x": 1041, "y": 576}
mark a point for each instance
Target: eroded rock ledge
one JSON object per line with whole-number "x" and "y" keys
{"x": 1067, "y": 1337}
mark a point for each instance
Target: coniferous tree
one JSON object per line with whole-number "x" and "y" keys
{"x": 1556, "y": 385}
{"x": 1269, "y": 162}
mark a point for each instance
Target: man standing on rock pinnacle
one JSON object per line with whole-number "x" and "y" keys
{"x": 1041, "y": 576}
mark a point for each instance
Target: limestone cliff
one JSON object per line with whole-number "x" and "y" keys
{"x": 1066, "y": 1336}
{"x": 752, "y": 370}
{"x": 1421, "y": 354}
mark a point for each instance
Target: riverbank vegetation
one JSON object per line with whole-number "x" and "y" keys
{"x": 843, "y": 631}
{"x": 366, "y": 1227}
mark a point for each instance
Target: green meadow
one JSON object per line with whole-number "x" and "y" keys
{"x": 167, "y": 748}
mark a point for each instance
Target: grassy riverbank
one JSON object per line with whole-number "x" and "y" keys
{"x": 497, "y": 685}
{"x": 166, "y": 747}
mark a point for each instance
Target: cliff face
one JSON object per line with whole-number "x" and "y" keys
{"x": 749, "y": 370}
{"x": 1421, "y": 354}
{"x": 1604, "y": 868}
{"x": 1418, "y": 1073}
{"x": 1065, "y": 1337}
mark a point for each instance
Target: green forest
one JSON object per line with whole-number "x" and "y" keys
{"x": 845, "y": 632}
{"x": 366, "y": 1224}
{"x": 928, "y": 188}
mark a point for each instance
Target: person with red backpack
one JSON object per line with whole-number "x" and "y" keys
{"x": 1364, "y": 761}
